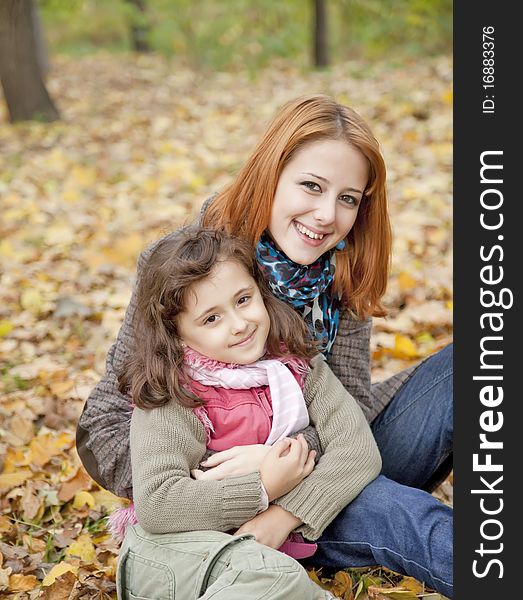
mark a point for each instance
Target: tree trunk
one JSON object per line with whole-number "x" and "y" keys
{"x": 139, "y": 29}
{"x": 321, "y": 53}
{"x": 24, "y": 90}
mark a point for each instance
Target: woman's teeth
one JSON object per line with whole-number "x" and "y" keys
{"x": 309, "y": 233}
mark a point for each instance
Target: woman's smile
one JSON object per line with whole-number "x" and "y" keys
{"x": 317, "y": 199}
{"x": 308, "y": 235}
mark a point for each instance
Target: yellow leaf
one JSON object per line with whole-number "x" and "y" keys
{"x": 32, "y": 300}
{"x": 60, "y": 388}
{"x": 110, "y": 502}
{"x": 58, "y": 570}
{"x": 404, "y": 347}
{"x": 11, "y": 480}
{"x": 82, "y": 499}
{"x": 409, "y": 583}
{"x": 6, "y": 249}
{"x": 5, "y": 525}
{"x": 14, "y": 458}
{"x": 43, "y": 447}
{"x": 83, "y": 548}
{"x": 448, "y": 96}
{"x": 5, "y": 328}
{"x": 125, "y": 250}
{"x": 83, "y": 176}
{"x": 406, "y": 281}
{"x": 22, "y": 583}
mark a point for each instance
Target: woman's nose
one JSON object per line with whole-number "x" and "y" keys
{"x": 325, "y": 212}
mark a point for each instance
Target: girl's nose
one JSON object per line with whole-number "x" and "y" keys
{"x": 238, "y": 324}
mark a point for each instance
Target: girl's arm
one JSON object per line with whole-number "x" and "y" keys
{"x": 167, "y": 442}
{"x": 351, "y": 457}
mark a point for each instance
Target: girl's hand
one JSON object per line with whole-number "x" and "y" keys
{"x": 286, "y": 464}
{"x": 271, "y": 527}
{"x": 239, "y": 460}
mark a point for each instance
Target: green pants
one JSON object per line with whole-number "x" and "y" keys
{"x": 208, "y": 564}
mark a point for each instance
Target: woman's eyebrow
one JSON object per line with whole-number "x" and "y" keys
{"x": 351, "y": 189}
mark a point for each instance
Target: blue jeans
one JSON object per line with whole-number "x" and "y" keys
{"x": 392, "y": 522}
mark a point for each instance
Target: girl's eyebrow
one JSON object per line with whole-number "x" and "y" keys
{"x": 350, "y": 189}
{"x": 213, "y": 308}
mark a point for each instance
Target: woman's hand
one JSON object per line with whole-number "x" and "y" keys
{"x": 287, "y": 463}
{"x": 239, "y": 460}
{"x": 271, "y": 527}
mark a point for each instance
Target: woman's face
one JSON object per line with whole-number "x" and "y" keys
{"x": 317, "y": 199}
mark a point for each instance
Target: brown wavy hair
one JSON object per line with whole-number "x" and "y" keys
{"x": 153, "y": 374}
{"x": 244, "y": 207}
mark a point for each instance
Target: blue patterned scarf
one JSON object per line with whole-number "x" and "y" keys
{"x": 307, "y": 288}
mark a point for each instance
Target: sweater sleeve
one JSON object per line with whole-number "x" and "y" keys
{"x": 166, "y": 443}
{"x": 350, "y": 360}
{"x": 351, "y": 458}
{"x": 102, "y": 435}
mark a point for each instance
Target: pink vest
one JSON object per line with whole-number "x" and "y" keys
{"x": 238, "y": 417}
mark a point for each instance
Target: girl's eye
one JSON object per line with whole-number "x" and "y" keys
{"x": 351, "y": 200}
{"x": 244, "y": 299}
{"x": 312, "y": 186}
{"x": 211, "y": 319}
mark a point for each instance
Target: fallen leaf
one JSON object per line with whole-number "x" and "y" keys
{"x": 4, "y": 579}
{"x": 22, "y": 583}
{"x": 32, "y": 300}
{"x": 83, "y": 548}
{"x": 57, "y": 571}
{"x": 61, "y": 588}
{"x": 79, "y": 482}
{"x": 82, "y": 499}
{"x": 404, "y": 347}
{"x": 11, "y": 480}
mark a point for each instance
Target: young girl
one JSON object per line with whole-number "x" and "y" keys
{"x": 220, "y": 362}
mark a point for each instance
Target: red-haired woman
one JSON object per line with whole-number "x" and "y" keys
{"x": 311, "y": 201}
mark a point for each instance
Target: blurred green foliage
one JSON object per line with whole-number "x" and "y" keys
{"x": 227, "y": 34}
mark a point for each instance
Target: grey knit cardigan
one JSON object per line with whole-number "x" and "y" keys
{"x": 102, "y": 435}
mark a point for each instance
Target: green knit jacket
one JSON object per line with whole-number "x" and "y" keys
{"x": 167, "y": 442}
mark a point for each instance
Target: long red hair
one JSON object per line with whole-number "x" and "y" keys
{"x": 244, "y": 207}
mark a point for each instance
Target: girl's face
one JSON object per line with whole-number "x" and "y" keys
{"x": 225, "y": 317}
{"x": 317, "y": 199}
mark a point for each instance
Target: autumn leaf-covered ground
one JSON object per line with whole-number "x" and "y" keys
{"x": 141, "y": 144}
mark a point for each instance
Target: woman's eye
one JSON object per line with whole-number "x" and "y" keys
{"x": 311, "y": 185}
{"x": 244, "y": 299}
{"x": 211, "y": 319}
{"x": 346, "y": 199}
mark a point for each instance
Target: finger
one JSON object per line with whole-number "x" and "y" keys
{"x": 196, "y": 473}
{"x": 218, "y": 457}
{"x": 309, "y": 465}
{"x": 280, "y": 448}
{"x": 304, "y": 449}
{"x": 222, "y": 471}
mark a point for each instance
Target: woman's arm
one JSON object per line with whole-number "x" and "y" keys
{"x": 351, "y": 457}
{"x": 102, "y": 435}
